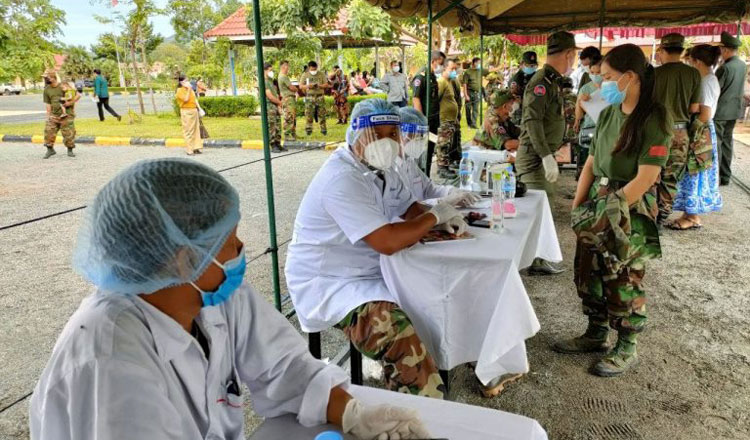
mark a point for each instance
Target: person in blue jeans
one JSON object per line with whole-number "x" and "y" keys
{"x": 102, "y": 94}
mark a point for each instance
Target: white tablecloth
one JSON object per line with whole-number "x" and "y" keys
{"x": 466, "y": 298}
{"x": 444, "y": 419}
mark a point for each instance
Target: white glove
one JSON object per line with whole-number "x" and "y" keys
{"x": 383, "y": 422}
{"x": 462, "y": 199}
{"x": 457, "y": 225}
{"x": 551, "y": 172}
{"x": 443, "y": 212}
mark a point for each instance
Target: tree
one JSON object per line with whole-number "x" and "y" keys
{"x": 27, "y": 31}
{"x": 172, "y": 55}
{"x": 78, "y": 63}
{"x": 191, "y": 18}
{"x": 495, "y": 46}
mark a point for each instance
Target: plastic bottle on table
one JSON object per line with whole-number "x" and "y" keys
{"x": 465, "y": 170}
{"x": 498, "y": 201}
{"x": 509, "y": 191}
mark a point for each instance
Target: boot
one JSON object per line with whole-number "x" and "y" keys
{"x": 50, "y": 152}
{"x": 446, "y": 173}
{"x": 71, "y": 153}
{"x": 544, "y": 267}
{"x": 595, "y": 339}
{"x": 620, "y": 359}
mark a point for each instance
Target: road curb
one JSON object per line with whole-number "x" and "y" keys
{"x": 247, "y": 144}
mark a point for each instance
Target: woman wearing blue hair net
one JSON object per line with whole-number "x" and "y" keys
{"x": 346, "y": 220}
{"x": 162, "y": 348}
{"x": 414, "y": 132}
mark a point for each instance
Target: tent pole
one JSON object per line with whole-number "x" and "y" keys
{"x": 481, "y": 71}
{"x": 273, "y": 248}
{"x": 403, "y": 61}
{"x": 231, "y": 68}
{"x": 377, "y": 60}
{"x": 341, "y": 54}
{"x": 739, "y": 27}
{"x": 601, "y": 23}
{"x": 428, "y": 73}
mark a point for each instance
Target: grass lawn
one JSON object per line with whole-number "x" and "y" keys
{"x": 167, "y": 125}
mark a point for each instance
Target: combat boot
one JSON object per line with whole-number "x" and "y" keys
{"x": 620, "y": 359}
{"x": 593, "y": 340}
{"x": 50, "y": 152}
{"x": 71, "y": 153}
{"x": 446, "y": 173}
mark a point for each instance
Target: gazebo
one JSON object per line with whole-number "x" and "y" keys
{"x": 337, "y": 37}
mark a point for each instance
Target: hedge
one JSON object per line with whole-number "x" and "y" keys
{"x": 246, "y": 105}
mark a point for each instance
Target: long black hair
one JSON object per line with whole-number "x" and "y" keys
{"x": 707, "y": 54}
{"x": 629, "y": 57}
{"x": 180, "y": 79}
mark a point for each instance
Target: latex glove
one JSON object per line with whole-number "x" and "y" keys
{"x": 383, "y": 422}
{"x": 443, "y": 212}
{"x": 551, "y": 172}
{"x": 456, "y": 226}
{"x": 462, "y": 199}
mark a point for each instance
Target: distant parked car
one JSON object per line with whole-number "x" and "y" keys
{"x": 7, "y": 89}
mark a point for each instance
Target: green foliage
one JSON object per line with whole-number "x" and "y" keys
{"x": 226, "y": 106}
{"x": 78, "y": 63}
{"x": 191, "y": 18}
{"x": 172, "y": 55}
{"x": 493, "y": 46}
{"x": 292, "y": 15}
{"x": 367, "y": 21}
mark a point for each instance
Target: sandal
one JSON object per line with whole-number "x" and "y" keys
{"x": 683, "y": 224}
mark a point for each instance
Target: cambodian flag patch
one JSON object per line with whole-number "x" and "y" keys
{"x": 658, "y": 151}
{"x": 540, "y": 90}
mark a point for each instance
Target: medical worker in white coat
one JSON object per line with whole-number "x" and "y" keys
{"x": 344, "y": 223}
{"x": 414, "y": 132}
{"x": 164, "y": 345}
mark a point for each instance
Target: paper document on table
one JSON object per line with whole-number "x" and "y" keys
{"x": 594, "y": 105}
{"x": 439, "y": 236}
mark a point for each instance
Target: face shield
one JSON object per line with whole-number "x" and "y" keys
{"x": 413, "y": 139}
{"x": 375, "y": 139}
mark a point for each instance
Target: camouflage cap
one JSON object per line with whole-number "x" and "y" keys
{"x": 500, "y": 97}
{"x": 673, "y": 40}
{"x": 560, "y": 41}
{"x": 727, "y": 40}
{"x": 529, "y": 57}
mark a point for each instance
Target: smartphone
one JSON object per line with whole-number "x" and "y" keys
{"x": 480, "y": 223}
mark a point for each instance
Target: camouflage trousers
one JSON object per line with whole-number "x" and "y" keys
{"x": 446, "y": 150}
{"x": 673, "y": 172}
{"x": 315, "y": 108}
{"x": 66, "y": 127}
{"x": 342, "y": 110}
{"x": 610, "y": 261}
{"x": 274, "y": 125}
{"x": 381, "y": 331}
{"x": 289, "y": 105}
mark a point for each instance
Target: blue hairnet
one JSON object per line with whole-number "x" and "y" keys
{"x": 367, "y": 107}
{"x": 159, "y": 223}
{"x": 410, "y": 115}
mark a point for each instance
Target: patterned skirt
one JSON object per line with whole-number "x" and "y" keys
{"x": 699, "y": 193}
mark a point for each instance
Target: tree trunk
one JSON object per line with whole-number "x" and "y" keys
{"x": 148, "y": 69}
{"x": 137, "y": 79}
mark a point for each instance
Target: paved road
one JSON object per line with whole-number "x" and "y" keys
{"x": 30, "y": 108}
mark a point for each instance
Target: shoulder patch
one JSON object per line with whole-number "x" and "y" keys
{"x": 501, "y": 130}
{"x": 513, "y": 83}
{"x": 658, "y": 151}
{"x": 540, "y": 90}
{"x": 417, "y": 82}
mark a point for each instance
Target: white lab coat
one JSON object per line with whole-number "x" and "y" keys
{"x": 122, "y": 369}
{"x": 421, "y": 186}
{"x": 329, "y": 269}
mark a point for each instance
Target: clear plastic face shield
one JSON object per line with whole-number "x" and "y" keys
{"x": 375, "y": 139}
{"x": 413, "y": 140}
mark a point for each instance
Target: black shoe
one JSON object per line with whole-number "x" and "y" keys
{"x": 50, "y": 152}
{"x": 323, "y": 132}
{"x": 71, "y": 153}
{"x": 544, "y": 267}
{"x": 277, "y": 150}
{"x": 119, "y": 118}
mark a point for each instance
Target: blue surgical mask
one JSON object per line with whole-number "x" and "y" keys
{"x": 596, "y": 79}
{"x": 612, "y": 94}
{"x": 234, "y": 273}
{"x": 528, "y": 70}
{"x": 453, "y": 75}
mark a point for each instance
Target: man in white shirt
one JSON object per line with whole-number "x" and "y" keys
{"x": 344, "y": 223}
{"x": 163, "y": 347}
{"x": 394, "y": 82}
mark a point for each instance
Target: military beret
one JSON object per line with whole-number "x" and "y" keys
{"x": 529, "y": 57}
{"x": 673, "y": 40}
{"x": 500, "y": 97}
{"x": 560, "y": 41}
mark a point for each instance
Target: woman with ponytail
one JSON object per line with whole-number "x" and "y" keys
{"x": 615, "y": 209}
{"x": 698, "y": 191}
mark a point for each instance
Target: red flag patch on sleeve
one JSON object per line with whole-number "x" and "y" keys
{"x": 540, "y": 90}
{"x": 658, "y": 151}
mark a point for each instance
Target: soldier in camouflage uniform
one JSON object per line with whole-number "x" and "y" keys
{"x": 445, "y": 148}
{"x": 273, "y": 110}
{"x": 381, "y": 331}
{"x": 569, "y": 108}
{"x": 498, "y": 132}
{"x": 314, "y": 83}
{"x": 288, "y": 102}
{"x": 615, "y": 223}
{"x": 54, "y": 98}
{"x": 494, "y": 84}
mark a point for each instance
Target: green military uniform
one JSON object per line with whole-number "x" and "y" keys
{"x": 519, "y": 81}
{"x": 473, "y": 80}
{"x": 542, "y": 127}
{"x": 569, "y": 109}
{"x": 433, "y": 119}
{"x": 53, "y": 96}
{"x": 676, "y": 86}
{"x": 289, "y": 107}
{"x": 615, "y": 240}
{"x": 445, "y": 148}
{"x": 495, "y": 132}
{"x": 314, "y": 102}
{"x": 456, "y": 82}
{"x": 494, "y": 84}
{"x": 731, "y": 76}
{"x": 274, "y": 115}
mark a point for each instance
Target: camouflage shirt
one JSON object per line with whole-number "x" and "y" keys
{"x": 494, "y": 133}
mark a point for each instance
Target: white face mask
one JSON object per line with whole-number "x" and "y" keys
{"x": 396, "y": 68}
{"x": 381, "y": 153}
{"x": 313, "y": 72}
{"x": 270, "y": 74}
{"x": 414, "y": 148}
